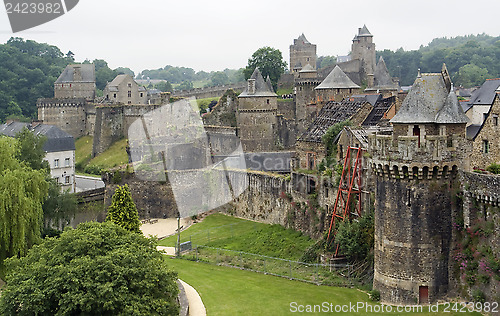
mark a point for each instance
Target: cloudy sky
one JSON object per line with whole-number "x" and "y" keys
{"x": 218, "y": 34}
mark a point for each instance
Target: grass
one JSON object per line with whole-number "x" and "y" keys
{"x": 282, "y": 91}
{"x": 114, "y": 156}
{"x": 228, "y": 291}
{"x": 222, "y": 231}
{"x": 83, "y": 152}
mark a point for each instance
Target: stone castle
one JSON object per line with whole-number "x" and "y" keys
{"x": 420, "y": 149}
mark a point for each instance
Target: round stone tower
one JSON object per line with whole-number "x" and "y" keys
{"x": 415, "y": 167}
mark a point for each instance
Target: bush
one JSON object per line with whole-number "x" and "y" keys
{"x": 478, "y": 296}
{"x": 96, "y": 269}
{"x": 375, "y": 295}
{"x": 494, "y": 168}
{"x": 94, "y": 169}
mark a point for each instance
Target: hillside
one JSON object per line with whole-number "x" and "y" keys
{"x": 470, "y": 59}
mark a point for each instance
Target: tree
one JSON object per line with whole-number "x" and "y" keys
{"x": 58, "y": 207}
{"x": 219, "y": 78}
{"x": 185, "y": 85}
{"x": 356, "y": 238}
{"x": 122, "y": 210}
{"x": 31, "y": 150}
{"x": 125, "y": 70}
{"x": 164, "y": 86}
{"x": 471, "y": 75}
{"x": 22, "y": 192}
{"x": 270, "y": 63}
{"x": 95, "y": 269}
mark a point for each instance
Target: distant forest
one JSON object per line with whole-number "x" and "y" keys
{"x": 28, "y": 69}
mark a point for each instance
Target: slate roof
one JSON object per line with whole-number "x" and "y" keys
{"x": 378, "y": 111}
{"x": 484, "y": 95}
{"x": 269, "y": 83}
{"x": 429, "y": 101}
{"x": 451, "y": 111}
{"x": 363, "y": 31}
{"x": 118, "y": 79}
{"x": 331, "y": 113}
{"x": 382, "y": 78}
{"x": 57, "y": 139}
{"x": 261, "y": 87}
{"x": 68, "y": 74}
{"x": 473, "y": 131}
{"x": 337, "y": 79}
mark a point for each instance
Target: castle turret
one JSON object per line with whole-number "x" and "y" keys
{"x": 257, "y": 110}
{"x": 336, "y": 86}
{"x": 363, "y": 49}
{"x": 302, "y": 52}
{"x": 415, "y": 167}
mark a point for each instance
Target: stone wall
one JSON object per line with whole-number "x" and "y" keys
{"x": 209, "y": 92}
{"x": 67, "y": 114}
{"x": 224, "y": 113}
{"x": 112, "y": 123}
{"x": 490, "y": 133}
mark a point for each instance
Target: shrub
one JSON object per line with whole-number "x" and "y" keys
{"x": 375, "y": 295}
{"x": 478, "y": 296}
{"x": 494, "y": 168}
{"x": 94, "y": 169}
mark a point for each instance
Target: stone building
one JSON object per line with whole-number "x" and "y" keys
{"x": 302, "y": 53}
{"x": 363, "y": 49}
{"x": 124, "y": 90}
{"x": 77, "y": 81}
{"x": 383, "y": 82}
{"x": 486, "y": 138}
{"x": 309, "y": 147}
{"x": 59, "y": 150}
{"x": 335, "y": 87}
{"x": 415, "y": 164}
{"x": 257, "y": 115}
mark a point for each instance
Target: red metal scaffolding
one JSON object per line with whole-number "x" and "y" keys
{"x": 348, "y": 201}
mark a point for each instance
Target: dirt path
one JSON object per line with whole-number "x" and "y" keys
{"x": 162, "y": 228}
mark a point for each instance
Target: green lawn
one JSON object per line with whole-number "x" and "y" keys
{"x": 228, "y": 291}
{"x": 114, "y": 156}
{"x": 83, "y": 152}
{"x": 222, "y": 231}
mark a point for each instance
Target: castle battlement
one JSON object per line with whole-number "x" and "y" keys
{"x": 416, "y": 157}
{"x": 60, "y": 102}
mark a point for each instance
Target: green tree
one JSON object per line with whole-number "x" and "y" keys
{"x": 22, "y": 192}
{"x": 122, "y": 210}
{"x": 124, "y": 70}
{"x": 471, "y": 75}
{"x": 164, "y": 86}
{"x": 270, "y": 62}
{"x": 31, "y": 150}
{"x": 59, "y": 206}
{"x": 356, "y": 238}
{"x": 330, "y": 135}
{"x": 95, "y": 269}
{"x": 219, "y": 78}
{"x": 103, "y": 74}
{"x": 185, "y": 85}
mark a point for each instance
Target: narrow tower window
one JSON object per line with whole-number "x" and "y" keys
{"x": 416, "y": 132}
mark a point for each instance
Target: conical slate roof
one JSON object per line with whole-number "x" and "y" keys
{"x": 364, "y": 31}
{"x": 337, "y": 79}
{"x": 430, "y": 100}
{"x": 261, "y": 87}
{"x": 452, "y": 112}
{"x": 269, "y": 84}
{"x": 382, "y": 78}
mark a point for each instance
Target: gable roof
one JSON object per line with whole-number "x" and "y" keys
{"x": 331, "y": 113}
{"x": 308, "y": 68}
{"x": 486, "y": 93}
{"x": 118, "y": 79}
{"x": 87, "y": 72}
{"x": 429, "y": 100}
{"x": 261, "y": 87}
{"x": 337, "y": 79}
{"x": 57, "y": 139}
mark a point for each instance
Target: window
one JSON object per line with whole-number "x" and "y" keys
{"x": 66, "y": 162}
{"x": 267, "y": 101}
{"x": 141, "y": 94}
{"x": 56, "y": 179}
{"x": 486, "y": 146}
{"x": 130, "y": 94}
{"x": 129, "y": 102}
{"x": 114, "y": 95}
{"x": 495, "y": 120}
{"x": 130, "y": 85}
{"x": 66, "y": 179}
{"x": 485, "y": 116}
{"x": 56, "y": 163}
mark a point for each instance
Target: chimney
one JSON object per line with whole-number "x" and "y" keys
{"x": 251, "y": 86}
{"x": 77, "y": 76}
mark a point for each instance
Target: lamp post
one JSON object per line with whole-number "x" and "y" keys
{"x": 178, "y": 248}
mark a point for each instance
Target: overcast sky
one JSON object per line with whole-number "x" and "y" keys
{"x": 218, "y": 34}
